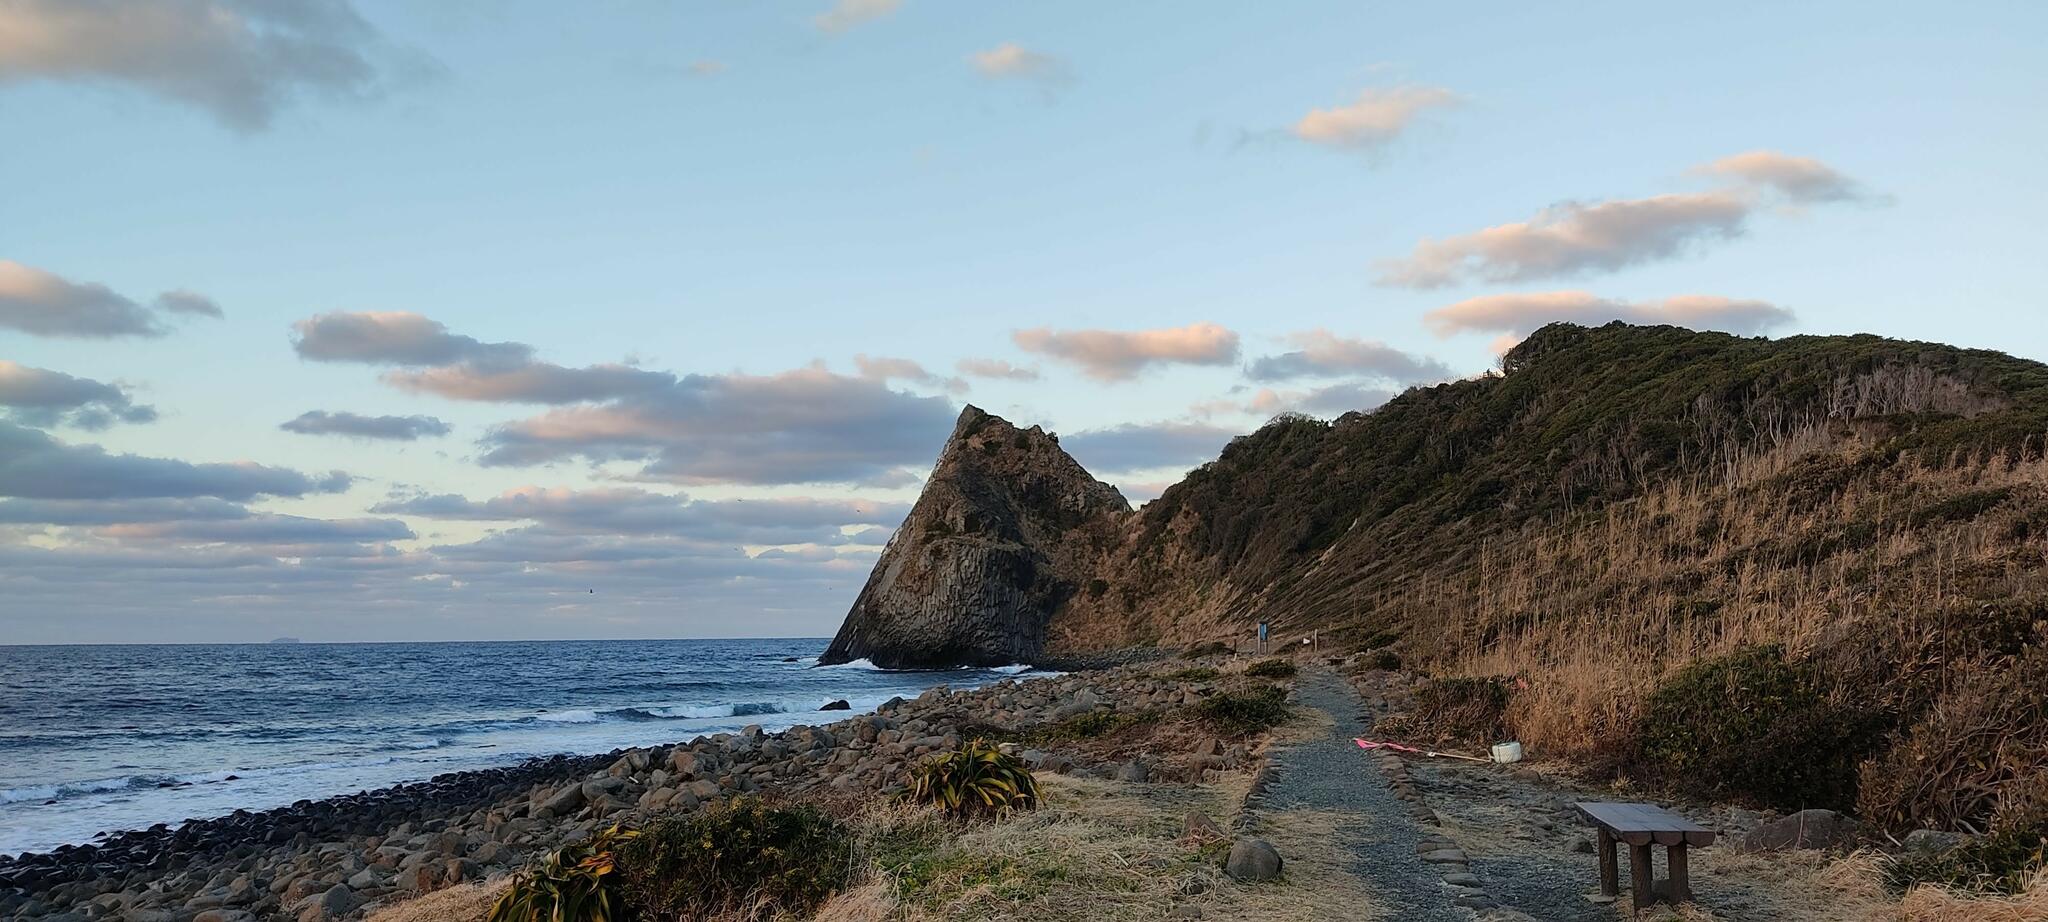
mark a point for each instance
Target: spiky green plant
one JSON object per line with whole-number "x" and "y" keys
{"x": 574, "y": 884}
{"x": 978, "y": 778}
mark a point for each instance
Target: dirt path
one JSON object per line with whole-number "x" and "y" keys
{"x": 1329, "y": 774}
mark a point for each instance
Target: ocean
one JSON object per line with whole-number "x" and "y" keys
{"x": 98, "y": 739}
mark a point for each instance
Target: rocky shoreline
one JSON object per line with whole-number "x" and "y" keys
{"x": 338, "y": 857}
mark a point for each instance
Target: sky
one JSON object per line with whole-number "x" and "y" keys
{"x": 364, "y": 320}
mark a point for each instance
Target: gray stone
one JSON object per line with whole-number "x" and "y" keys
{"x": 1931, "y": 841}
{"x": 1805, "y": 829}
{"x": 1133, "y": 771}
{"x": 565, "y": 801}
{"x": 1252, "y": 860}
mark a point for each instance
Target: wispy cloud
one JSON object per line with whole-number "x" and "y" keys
{"x": 33, "y": 465}
{"x": 356, "y": 425}
{"x": 1579, "y": 238}
{"x": 240, "y": 60}
{"x": 41, "y": 397}
{"x": 1515, "y": 316}
{"x": 1120, "y": 355}
{"x": 884, "y": 368}
{"x": 1147, "y": 446}
{"x": 45, "y": 304}
{"x": 997, "y": 369}
{"x": 846, "y": 14}
{"x": 1011, "y": 61}
{"x": 1320, "y": 353}
{"x": 1801, "y": 180}
{"x": 1375, "y": 119}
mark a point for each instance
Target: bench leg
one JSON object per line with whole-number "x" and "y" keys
{"x": 1681, "y": 888}
{"x": 1610, "y": 872}
{"x": 1639, "y": 877}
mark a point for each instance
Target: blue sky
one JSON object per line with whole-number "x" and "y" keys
{"x": 1138, "y": 201}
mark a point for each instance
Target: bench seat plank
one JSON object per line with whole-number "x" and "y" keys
{"x": 1643, "y": 824}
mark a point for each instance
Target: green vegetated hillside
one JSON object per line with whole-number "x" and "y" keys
{"x": 1806, "y": 571}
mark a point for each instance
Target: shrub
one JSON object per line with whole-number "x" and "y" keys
{"x": 745, "y": 858}
{"x": 1245, "y": 709}
{"x": 1193, "y": 674}
{"x": 1212, "y": 648}
{"x": 1752, "y": 725}
{"x": 978, "y": 778}
{"x": 575, "y": 883}
{"x": 1471, "y": 710}
{"x": 1979, "y": 749}
{"x": 1384, "y": 659}
{"x": 1275, "y": 668}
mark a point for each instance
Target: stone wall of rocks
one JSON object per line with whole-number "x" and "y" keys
{"x": 334, "y": 858}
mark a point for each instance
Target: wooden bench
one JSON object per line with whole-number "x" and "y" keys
{"x": 1641, "y": 825}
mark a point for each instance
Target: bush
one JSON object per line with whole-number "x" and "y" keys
{"x": 744, "y": 858}
{"x": 1212, "y": 648}
{"x": 1753, "y": 726}
{"x": 1193, "y": 674}
{"x": 1384, "y": 659}
{"x": 575, "y": 883}
{"x": 1275, "y": 668}
{"x": 1245, "y": 709}
{"x": 1979, "y": 749}
{"x": 976, "y": 779}
{"x": 1471, "y": 710}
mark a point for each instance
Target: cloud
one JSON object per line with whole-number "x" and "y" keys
{"x": 1114, "y": 355}
{"x": 1800, "y": 180}
{"x": 807, "y": 425}
{"x": 1010, "y": 61}
{"x": 44, "y": 304}
{"x": 883, "y": 368}
{"x": 1378, "y": 117}
{"x": 996, "y": 369}
{"x": 1331, "y": 400}
{"x": 1323, "y": 354}
{"x": 1577, "y": 238}
{"x": 41, "y": 397}
{"x": 263, "y": 529}
{"x": 396, "y": 338}
{"x": 240, "y": 60}
{"x": 531, "y": 382}
{"x": 35, "y": 466}
{"x": 1573, "y": 239}
{"x": 117, "y": 511}
{"x": 845, "y": 14}
{"x": 630, "y": 511}
{"x": 397, "y": 428}
{"x": 706, "y": 68}
{"x": 1145, "y": 446}
{"x": 1515, "y": 316}
{"x": 433, "y": 360}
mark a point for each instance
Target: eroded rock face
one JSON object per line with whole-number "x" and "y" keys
{"x": 1007, "y": 529}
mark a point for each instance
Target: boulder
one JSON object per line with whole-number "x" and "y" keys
{"x": 565, "y": 801}
{"x": 1252, "y": 860}
{"x": 1133, "y": 771}
{"x": 1805, "y": 829}
{"x": 840, "y": 705}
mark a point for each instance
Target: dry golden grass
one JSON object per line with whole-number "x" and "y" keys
{"x": 462, "y": 903}
{"x": 1102, "y": 850}
{"x": 1595, "y": 610}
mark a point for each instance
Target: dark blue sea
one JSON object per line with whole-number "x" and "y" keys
{"x": 98, "y": 739}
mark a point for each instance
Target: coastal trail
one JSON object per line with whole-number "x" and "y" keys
{"x": 1329, "y": 774}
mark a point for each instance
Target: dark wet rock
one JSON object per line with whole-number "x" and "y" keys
{"x": 839, "y": 705}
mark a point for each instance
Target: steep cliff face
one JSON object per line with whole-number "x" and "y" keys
{"x": 1008, "y": 529}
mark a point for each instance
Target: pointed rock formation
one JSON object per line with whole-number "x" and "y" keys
{"x": 1007, "y": 529}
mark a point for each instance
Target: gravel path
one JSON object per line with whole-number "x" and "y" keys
{"x": 1332, "y": 774}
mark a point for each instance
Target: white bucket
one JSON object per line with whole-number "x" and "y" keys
{"x": 1505, "y": 753}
